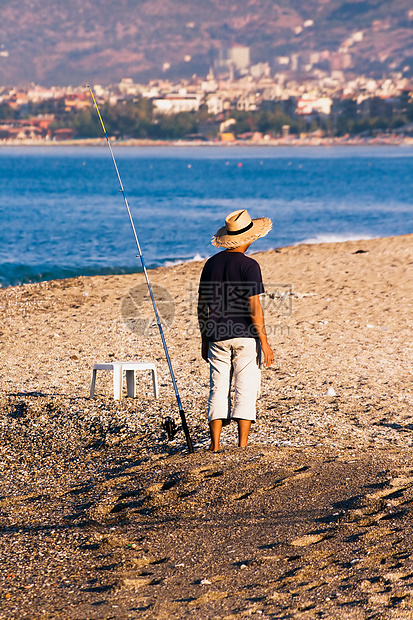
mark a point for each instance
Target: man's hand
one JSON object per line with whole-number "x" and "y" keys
{"x": 268, "y": 354}
{"x": 257, "y": 317}
{"x": 204, "y": 349}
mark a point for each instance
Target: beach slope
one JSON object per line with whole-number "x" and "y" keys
{"x": 102, "y": 517}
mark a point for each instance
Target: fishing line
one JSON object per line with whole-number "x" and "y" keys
{"x": 122, "y": 191}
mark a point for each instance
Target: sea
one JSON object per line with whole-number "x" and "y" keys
{"x": 62, "y": 213}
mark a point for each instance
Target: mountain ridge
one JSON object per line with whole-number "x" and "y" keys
{"x": 84, "y": 41}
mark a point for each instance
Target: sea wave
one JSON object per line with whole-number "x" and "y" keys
{"x": 18, "y": 274}
{"x": 334, "y": 238}
{"x": 173, "y": 263}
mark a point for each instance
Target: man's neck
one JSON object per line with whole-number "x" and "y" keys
{"x": 240, "y": 248}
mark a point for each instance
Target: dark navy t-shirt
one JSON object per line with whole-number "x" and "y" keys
{"x": 228, "y": 279}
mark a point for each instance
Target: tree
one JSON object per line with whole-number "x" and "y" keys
{"x": 7, "y": 112}
{"x": 174, "y": 126}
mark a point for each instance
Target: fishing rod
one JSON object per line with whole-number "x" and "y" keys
{"x": 170, "y": 425}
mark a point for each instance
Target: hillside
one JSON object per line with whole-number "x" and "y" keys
{"x": 49, "y": 42}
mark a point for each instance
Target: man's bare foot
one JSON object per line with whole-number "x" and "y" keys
{"x": 215, "y": 427}
{"x": 243, "y": 432}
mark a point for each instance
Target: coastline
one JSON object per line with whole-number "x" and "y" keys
{"x": 108, "y": 519}
{"x": 170, "y": 263}
{"x": 279, "y": 142}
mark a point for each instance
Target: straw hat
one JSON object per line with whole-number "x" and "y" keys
{"x": 240, "y": 229}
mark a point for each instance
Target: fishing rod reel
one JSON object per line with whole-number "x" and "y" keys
{"x": 169, "y": 425}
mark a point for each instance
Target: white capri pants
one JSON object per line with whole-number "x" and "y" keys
{"x": 240, "y": 358}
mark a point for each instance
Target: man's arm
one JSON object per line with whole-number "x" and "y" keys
{"x": 202, "y": 321}
{"x": 257, "y": 316}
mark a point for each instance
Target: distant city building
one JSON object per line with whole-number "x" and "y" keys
{"x": 303, "y": 88}
{"x": 340, "y": 61}
{"x": 173, "y": 104}
{"x": 210, "y": 85}
{"x": 283, "y": 61}
{"x": 247, "y": 102}
{"x": 235, "y": 59}
{"x": 128, "y": 87}
{"x": 308, "y": 104}
{"x": 261, "y": 69}
{"x": 215, "y": 105}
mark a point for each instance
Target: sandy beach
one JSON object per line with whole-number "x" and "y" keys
{"x": 102, "y": 517}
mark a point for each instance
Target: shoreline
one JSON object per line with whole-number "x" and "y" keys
{"x": 195, "y": 259}
{"x": 281, "y": 142}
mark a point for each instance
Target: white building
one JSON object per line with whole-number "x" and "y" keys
{"x": 261, "y": 69}
{"x": 235, "y": 58}
{"x": 215, "y": 105}
{"x": 308, "y": 104}
{"x": 128, "y": 87}
{"x": 173, "y": 104}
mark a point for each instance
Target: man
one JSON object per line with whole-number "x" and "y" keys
{"x": 232, "y": 327}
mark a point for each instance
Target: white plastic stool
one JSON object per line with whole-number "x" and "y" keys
{"x": 130, "y": 368}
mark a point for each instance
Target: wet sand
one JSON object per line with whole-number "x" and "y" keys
{"x": 102, "y": 517}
